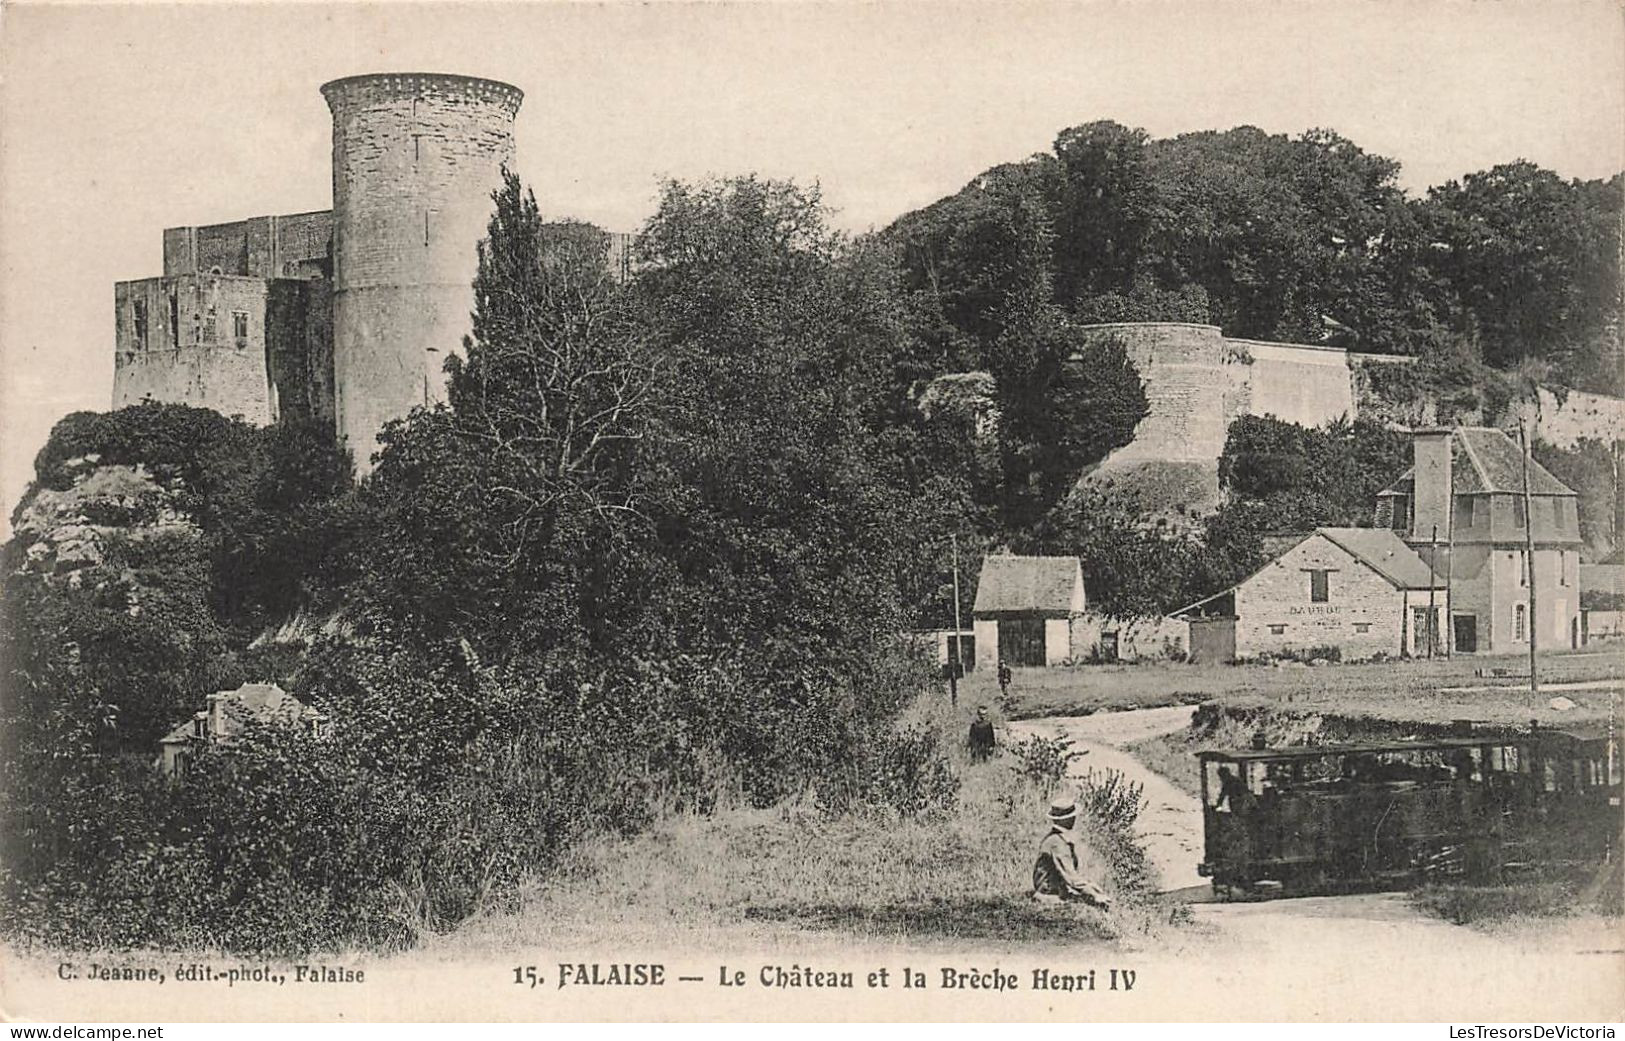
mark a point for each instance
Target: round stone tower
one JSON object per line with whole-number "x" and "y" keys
{"x": 415, "y": 159}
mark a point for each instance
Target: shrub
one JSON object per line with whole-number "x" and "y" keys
{"x": 1111, "y": 807}
{"x": 902, "y": 771}
{"x": 1043, "y": 761}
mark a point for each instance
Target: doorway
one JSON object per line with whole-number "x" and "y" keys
{"x": 1021, "y": 641}
{"x": 1466, "y": 633}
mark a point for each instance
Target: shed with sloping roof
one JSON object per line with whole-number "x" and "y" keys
{"x": 1026, "y": 610}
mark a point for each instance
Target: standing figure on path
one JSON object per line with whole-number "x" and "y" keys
{"x": 1058, "y": 873}
{"x": 1004, "y": 679}
{"x": 981, "y": 736}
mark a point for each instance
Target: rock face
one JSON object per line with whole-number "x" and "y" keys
{"x": 968, "y": 395}
{"x": 65, "y": 532}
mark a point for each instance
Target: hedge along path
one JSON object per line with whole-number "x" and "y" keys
{"x": 1170, "y": 824}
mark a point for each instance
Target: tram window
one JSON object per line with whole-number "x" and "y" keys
{"x": 1549, "y": 775}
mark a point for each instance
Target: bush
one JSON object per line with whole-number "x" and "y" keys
{"x": 1043, "y": 761}
{"x": 1110, "y": 805}
{"x": 902, "y": 771}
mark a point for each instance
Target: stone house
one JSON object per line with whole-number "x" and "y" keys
{"x": 1026, "y": 610}
{"x": 230, "y": 712}
{"x": 1462, "y": 503}
{"x": 1362, "y": 591}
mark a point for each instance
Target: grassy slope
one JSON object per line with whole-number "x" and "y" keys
{"x": 744, "y": 875}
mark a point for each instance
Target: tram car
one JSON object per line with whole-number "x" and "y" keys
{"x": 1330, "y": 818}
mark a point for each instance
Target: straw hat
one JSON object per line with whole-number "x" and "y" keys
{"x": 1062, "y": 810}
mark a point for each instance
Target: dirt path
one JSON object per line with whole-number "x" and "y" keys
{"x": 1171, "y": 822}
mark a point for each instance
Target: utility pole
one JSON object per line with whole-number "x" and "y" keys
{"x": 1529, "y": 554}
{"x": 1433, "y": 585}
{"x": 958, "y": 655}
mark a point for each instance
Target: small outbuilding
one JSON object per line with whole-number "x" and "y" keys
{"x": 230, "y": 712}
{"x": 1360, "y": 591}
{"x": 1026, "y": 610}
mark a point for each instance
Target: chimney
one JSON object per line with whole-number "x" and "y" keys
{"x": 1431, "y": 491}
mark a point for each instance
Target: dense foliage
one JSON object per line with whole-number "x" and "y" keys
{"x": 650, "y": 555}
{"x": 1304, "y": 239}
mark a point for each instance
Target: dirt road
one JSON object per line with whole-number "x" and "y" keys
{"x": 1171, "y": 822}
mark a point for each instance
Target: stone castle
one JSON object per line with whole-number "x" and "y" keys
{"x": 347, "y": 315}
{"x": 343, "y": 315}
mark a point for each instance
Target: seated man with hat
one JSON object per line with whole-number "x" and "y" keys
{"x": 1058, "y": 873}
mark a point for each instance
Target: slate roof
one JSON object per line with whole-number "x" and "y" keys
{"x": 1383, "y": 550}
{"x": 1484, "y": 459}
{"x": 1386, "y": 553}
{"x": 1041, "y": 584}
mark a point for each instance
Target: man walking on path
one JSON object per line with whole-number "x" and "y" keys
{"x": 1004, "y": 680}
{"x": 981, "y": 736}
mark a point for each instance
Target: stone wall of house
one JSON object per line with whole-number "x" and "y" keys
{"x": 1363, "y": 614}
{"x": 1490, "y": 582}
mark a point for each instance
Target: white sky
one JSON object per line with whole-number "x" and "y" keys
{"x": 117, "y": 121}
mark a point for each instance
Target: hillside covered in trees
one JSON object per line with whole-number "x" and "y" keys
{"x": 1304, "y": 239}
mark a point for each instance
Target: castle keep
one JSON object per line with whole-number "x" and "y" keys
{"x": 344, "y": 315}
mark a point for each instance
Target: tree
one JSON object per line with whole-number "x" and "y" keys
{"x": 1535, "y": 261}
{"x": 1065, "y": 401}
{"x": 501, "y": 517}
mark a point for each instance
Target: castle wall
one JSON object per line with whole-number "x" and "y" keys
{"x": 284, "y": 245}
{"x": 299, "y": 348}
{"x": 415, "y": 159}
{"x": 1186, "y": 382}
{"x": 189, "y": 352}
{"x": 1298, "y": 383}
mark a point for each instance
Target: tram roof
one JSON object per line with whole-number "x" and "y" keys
{"x": 1253, "y": 755}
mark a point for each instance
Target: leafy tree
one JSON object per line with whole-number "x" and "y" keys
{"x": 504, "y": 517}
{"x": 1535, "y": 261}
{"x": 1065, "y": 402}
{"x": 1592, "y": 469}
